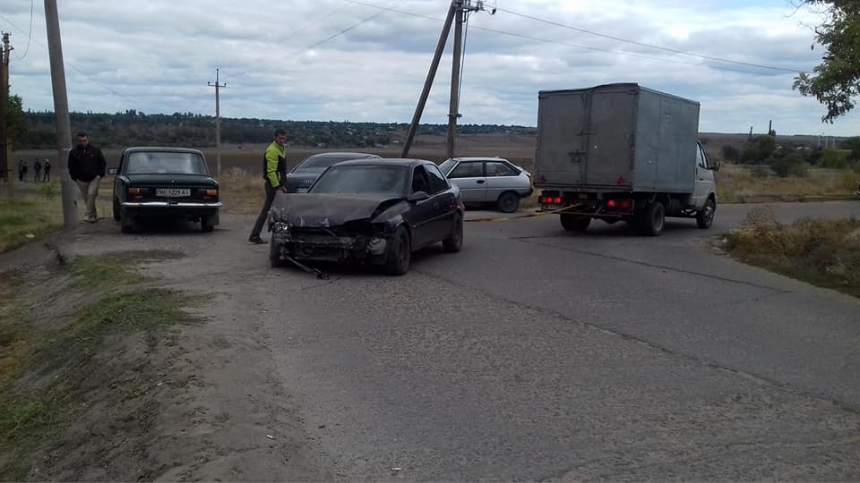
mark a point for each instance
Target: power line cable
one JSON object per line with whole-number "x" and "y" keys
{"x": 642, "y": 44}
{"x": 320, "y": 42}
{"x": 30, "y": 34}
{"x": 599, "y": 49}
{"x": 121, "y": 96}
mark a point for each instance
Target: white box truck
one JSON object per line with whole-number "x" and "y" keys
{"x": 622, "y": 152}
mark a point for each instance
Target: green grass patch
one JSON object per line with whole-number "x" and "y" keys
{"x": 823, "y": 252}
{"x": 42, "y": 369}
{"x": 36, "y": 217}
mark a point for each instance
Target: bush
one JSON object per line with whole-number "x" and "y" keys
{"x": 791, "y": 165}
{"x": 833, "y": 158}
{"x": 731, "y": 153}
{"x": 825, "y": 252}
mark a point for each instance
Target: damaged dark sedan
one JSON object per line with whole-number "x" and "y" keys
{"x": 369, "y": 211}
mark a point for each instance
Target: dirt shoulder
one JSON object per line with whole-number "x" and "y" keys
{"x": 136, "y": 358}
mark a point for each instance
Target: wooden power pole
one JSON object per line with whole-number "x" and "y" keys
{"x": 5, "y": 157}
{"x": 218, "y": 117}
{"x": 61, "y": 111}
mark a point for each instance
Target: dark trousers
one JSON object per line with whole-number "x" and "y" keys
{"x": 264, "y": 213}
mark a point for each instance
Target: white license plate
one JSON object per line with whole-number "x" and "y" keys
{"x": 301, "y": 190}
{"x": 552, "y": 207}
{"x": 172, "y": 192}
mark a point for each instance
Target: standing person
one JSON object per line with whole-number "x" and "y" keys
{"x": 37, "y": 170}
{"x": 274, "y": 174}
{"x": 87, "y": 167}
{"x": 47, "y": 170}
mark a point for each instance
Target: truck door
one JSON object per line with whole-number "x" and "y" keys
{"x": 563, "y": 142}
{"x": 610, "y": 140}
{"x": 705, "y": 183}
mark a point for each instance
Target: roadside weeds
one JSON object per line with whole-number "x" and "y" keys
{"x": 52, "y": 355}
{"x": 37, "y": 211}
{"x": 823, "y": 252}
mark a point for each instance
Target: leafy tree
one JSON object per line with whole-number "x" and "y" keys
{"x": 16, "y": 124}
{"x": 836, "y": 80}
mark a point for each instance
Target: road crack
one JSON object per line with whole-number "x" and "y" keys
{"x": 647, "y": 264}
{"x": 690, "y": 358}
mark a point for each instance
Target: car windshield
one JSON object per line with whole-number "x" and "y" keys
{"x": 445, "y": 167}
{"x": 317, "y": 163}
{"x": 362, "y": 180}
{"x": 165, "y": 163}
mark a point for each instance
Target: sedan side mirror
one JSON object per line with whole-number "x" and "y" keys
{"x": 418, "y": 196}
{"x": 113, "y": 171}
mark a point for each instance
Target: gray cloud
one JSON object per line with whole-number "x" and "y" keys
{"x": 158, "y": 56}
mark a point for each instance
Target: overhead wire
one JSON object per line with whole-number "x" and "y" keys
{"x": 29, "y": 34}
{"x": 642, "y": 44}
{"x": 598, "y": 49}
{"x": 338, "y": 34}
{"x": 97, "y": 82}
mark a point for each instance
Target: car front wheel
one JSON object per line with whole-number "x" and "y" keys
{"x": 398, "y": 253}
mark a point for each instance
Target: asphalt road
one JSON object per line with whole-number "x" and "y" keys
{"x": 538, "y": 355}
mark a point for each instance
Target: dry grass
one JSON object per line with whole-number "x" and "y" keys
{"x": 744, "y": 184}
{"x": 824, "y": 252}
{"x": 37, "y": 210}
{"x": 241, "y": 192}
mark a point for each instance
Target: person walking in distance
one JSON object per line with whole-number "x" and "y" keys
{"x": 274, "y": 173}
{"x": 87, "y": 167}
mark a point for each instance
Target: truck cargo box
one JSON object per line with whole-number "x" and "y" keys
{"x": 616, "y": 137}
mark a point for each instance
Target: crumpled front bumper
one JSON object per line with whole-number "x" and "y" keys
{"x": 322, "y": 246}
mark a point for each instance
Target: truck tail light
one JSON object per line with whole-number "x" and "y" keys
{"x": 551, "y": 200}
{"x": 619, "y": 204}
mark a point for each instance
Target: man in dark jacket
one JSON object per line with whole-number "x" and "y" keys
{"x": 87, "y": 167}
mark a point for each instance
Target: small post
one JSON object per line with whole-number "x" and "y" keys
{"x": 218, "y": 87}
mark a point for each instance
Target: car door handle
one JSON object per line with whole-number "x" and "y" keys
{"x": 480, "y": 181}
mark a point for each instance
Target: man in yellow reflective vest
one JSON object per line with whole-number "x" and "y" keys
{"x": 274, "y": 172}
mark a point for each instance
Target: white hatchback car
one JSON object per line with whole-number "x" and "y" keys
{"x": 489, "y": 180}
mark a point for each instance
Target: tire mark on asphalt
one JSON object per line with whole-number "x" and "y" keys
{"x": 527, "y": 239}
{"x": 756, "y": 378}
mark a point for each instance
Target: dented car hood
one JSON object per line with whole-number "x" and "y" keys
{"x": 324, "y": 210}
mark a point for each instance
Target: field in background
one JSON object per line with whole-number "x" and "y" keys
{"x": 242, "y": 168}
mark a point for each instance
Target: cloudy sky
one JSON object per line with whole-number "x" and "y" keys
{"x": 366, "y": 60}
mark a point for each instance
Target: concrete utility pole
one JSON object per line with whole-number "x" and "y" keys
{"x": 5, "y": 157}
{"x": 61, "y": 111}
{"x": 453, "y": 112}
{"x": 457, "y": 10}
{"x": 217, "y": 87}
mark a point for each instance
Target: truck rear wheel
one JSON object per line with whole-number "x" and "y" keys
{"x": 652, "y": 219}
{"x": 575, "y": 223}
